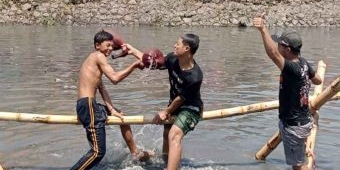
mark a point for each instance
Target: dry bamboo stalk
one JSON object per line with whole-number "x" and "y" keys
{"x": 265, "y": 150}
{"x": 1, "y": 168}
{"x": 336, "y": 97}
{"x": 321, "y": 72}
{"x": 315, "y": 105}
{"x": 240, "y": 110}
{"x": 112, "y": 120}
{"x": 328, "y": 93}
{"x": 334, "y": 88}
{"x": 312, "y": 137}
{"x": 270, "y": 146}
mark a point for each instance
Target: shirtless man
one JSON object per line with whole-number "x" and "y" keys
{"x": 93, "y": 115}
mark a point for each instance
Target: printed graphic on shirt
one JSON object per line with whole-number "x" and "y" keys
{"x": 304, "y": 89}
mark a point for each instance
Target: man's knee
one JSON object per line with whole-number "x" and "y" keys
{"x": 175, "y": 135}
{"x": 100, "y": 153}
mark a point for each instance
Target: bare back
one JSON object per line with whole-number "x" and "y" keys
{"x": 90, "y": 76}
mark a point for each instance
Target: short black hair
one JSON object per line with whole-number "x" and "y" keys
{"x": 102, "y": 36}
{"x": 192, "y": 41}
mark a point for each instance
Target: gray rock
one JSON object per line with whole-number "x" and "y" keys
{"x": 26, "y": 7}
{"x": 234, "y": 21}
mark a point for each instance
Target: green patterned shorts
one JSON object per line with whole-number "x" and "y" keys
{"x": 187, "y": 120}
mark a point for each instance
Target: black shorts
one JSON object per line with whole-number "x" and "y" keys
{"x": 90, "y": 113}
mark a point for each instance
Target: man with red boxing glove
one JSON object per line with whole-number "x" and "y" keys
{"x": 185, "y": 102}
{"x": 93, "y": 115}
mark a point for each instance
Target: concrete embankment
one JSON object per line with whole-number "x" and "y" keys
{"x": 282, "y": 13}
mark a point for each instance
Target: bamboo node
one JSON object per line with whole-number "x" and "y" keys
{"x": 41, "y": 119}
{"x": 270, "y": 146}
{"x": 334, "y": 87}
{"x": 311, "y": 106}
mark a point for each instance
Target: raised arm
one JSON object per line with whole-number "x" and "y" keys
{"x": 133, "y": 51}
{"x": 269, "y": 45}
{"x": 111, "y": 74}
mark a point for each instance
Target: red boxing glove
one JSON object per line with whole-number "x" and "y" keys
{"x": 153, "y": 59}
{"x": 118, "y": 41}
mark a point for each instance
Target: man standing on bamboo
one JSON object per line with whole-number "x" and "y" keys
{"x": 92, "y": 114}
{"x": 185, "y": 77}
{"x": 295, "y": 120}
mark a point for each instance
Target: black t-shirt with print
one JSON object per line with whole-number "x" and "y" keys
{"x": 186, "y": 84}
{"x": 294, "y": 90}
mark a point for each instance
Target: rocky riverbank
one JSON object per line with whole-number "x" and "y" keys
{"x": 282, "y": 13}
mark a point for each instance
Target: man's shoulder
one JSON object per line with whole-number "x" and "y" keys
{"x": 96, "y": 54}
{"x": 170, "y": 56}
{"x": 96, "y": 57}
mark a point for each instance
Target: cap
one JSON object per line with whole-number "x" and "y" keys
{"x": 289, "y": 38}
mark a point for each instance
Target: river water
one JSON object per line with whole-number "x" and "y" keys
{"x": 38, "y": 74}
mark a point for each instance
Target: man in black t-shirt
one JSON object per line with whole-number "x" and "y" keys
{"x": 295, "y": 120}
{"x": 185, "y": 77}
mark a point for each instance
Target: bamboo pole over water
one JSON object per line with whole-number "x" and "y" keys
{"x": 314, "y": 107}
{"x": 333, "y": 89}
{"x": 112, "y": 120}
{"x": 266, "y": 150}
{"x": 270, "y": 145}
{"x": 312, "y": 137}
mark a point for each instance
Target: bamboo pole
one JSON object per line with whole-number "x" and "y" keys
{"x": 112, "y": 120}
{"x": 333, "y": 89}
{"x": 314, "y": 107}
{"x": 312, "y": 136}
{"x": 318, "y": 89}
{"x": 265, "y": 150}
{"x": 270, "y": 146}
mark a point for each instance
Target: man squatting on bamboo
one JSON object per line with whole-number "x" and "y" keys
{"x": 295, "y": 119}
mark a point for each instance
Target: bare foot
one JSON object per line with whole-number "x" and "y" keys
{"x": 144, "y": 156}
